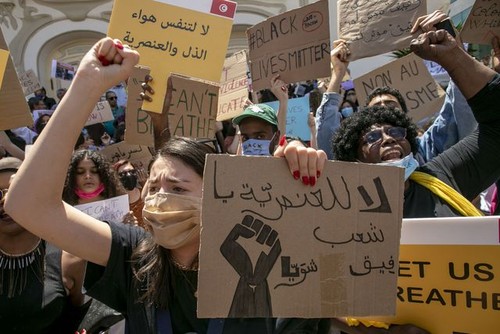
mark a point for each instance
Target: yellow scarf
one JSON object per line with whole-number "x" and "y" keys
{"x": 447, "y": 193}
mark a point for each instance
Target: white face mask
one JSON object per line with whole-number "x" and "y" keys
{"x": 409, "y": 163}
{"x": 256, "y": 147}
{"x": 174, "y": 219}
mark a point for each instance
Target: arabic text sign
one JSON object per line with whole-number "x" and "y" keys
{"x": 29, "y": 82}
{"x": 139, "y": 156}
{"x": 296, "y": 117}
{"x": 109, "y": 210}
{"x": 309, "y": 252}
{"x": 423, "y": 96}
{"x": 193, "y": 108}
{"x": 295, "y": 44}
{"x": 448, "y": 275}
{"x": 234, "y": 86}
{"x": 101, "y": 113}
{"x": 171, "y": 39}
{"x": 139, "y": 126}
{"x": 483, "y": 22}
{"x": 14, "y": 111}
{"x": 376, "y": 27}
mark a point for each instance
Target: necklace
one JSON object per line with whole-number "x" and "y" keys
{"x": 15, "y": 269}
{"x": 192, "y": 267}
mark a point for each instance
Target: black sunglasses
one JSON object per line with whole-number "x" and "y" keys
{"x": 376, "y": 135}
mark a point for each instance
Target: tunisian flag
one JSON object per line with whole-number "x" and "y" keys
{"x": 223, "y": 8}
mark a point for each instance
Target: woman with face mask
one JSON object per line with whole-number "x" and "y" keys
{"x": 150, "y": 278}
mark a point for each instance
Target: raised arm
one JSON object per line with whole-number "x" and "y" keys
{"x": 34, "y": 199}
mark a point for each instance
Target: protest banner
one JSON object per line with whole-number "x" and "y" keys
{"x": 483, "y": 22}
{"x": 409, "y": 75}
{"x": 138, "y": 123}
{"x": 193, "y": 107}
{"x": 295, "y": 44}
{"x": 296, "y": 117}
{"x": 448, "y": 275}
{"x": 62, "y": 71}
{"x": 14, "y": 111}
{"x": 108, "y": 210}
{"x": 139, "y": 156}
{"x": 330, "y": 250}
{"x": 184, "y": 37}
{"x": 234, "y": 86}
{"x": 376, "y": 27}
{"x": 29, "y": 82}
{"x": 101, "y": 113}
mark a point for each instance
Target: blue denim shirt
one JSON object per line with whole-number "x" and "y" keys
{"x": 327, "y": 122}
{"x": 454, "y": 121}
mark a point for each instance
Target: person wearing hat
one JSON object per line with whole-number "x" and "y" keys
{"x": 38, "y": 293}
{"x": 258, "y": 129}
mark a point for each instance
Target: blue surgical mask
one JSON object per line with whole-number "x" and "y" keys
{"x": 347, "y": 111}
{"x": 256, "y": 147}
{"x": 409, "y": 163}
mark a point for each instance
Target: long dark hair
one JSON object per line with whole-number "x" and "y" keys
{"x": 153, "y": 268}
{"x": 112, "y": 186}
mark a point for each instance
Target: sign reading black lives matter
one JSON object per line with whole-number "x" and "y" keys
{"x": 295, "y": 44}
{"x": 283, "y": 249}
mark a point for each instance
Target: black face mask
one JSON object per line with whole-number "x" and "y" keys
{"x": 129, "y": 180}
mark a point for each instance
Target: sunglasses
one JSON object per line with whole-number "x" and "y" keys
{"x": 376, "y": 135}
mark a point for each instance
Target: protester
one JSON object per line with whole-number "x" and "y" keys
{"x": 141, "y": 292}
{"x": 41, "y": 94}
{"x": 38, "y": 287}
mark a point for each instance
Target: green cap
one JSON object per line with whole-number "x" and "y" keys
{"x": 262, "y": 111}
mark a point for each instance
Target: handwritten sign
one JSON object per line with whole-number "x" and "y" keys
{"x": 322, "y": 251}
{"x": 179, "y": 37}
{"x": 376, "y": 27}
{"x": 138, "y": 123}
{"x": 483, "y": 22}
{"x": 296, "y": 117}
{"x": 139, "y": 156}
{"x": 29, "y": 82}
{"x": 108, "y": 210}
{"x": 295, "y": 44}
{"x": 101, "y": 113}
{"x": 14, "y": 111}
{"x": 234, "y": 86}
{"x": 410, "y": 76}
{"x": 193, "y": 108}
{"x": 448, "y": 275}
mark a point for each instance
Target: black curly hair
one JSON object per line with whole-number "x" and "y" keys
{"x": 385, "y": 90}
{"x": 345, "y": 143}
{"x": 112, "y": 185}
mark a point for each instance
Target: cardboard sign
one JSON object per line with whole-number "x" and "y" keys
{"x": 283, "y": 249}
{"x": 101, "y": 113}
{"x": 138, "y": 123}
{"x": 234, "y": 86}
{"x": 190, "y": 38}
{"x": 29, "y": 82}
{"x": 193, "y": 108}
{"x": 62, "y": 71}
{"x": 483, "y": 22}
{"x": 295, "y": 44}
{"x": 375, "y": 27}
{"x": 108, "y": 210}
{"x": 409, "y": 75}
{"x": 297, "y": 116}
{"x": 448, "y": 275}
{"x": 139, "y": 156}
{"x": 4, "y": 57}
{"x": 14, "y": 111}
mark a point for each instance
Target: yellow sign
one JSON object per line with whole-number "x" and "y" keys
{"x": 449, "y": 270}
{"x": 172, "y": 38}
{"x": 4, "y": 56}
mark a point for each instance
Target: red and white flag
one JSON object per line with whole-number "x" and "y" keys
{"x": 223, "y": 8}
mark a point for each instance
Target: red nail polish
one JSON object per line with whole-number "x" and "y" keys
{"x": 312, "y": 181}
{"x": 118, "y": 45}
{"x": 282, "y": 140}
{"x": 305, "y": 180}
{"x": 296, "y": 175}
{"x": 318, "y": 174}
